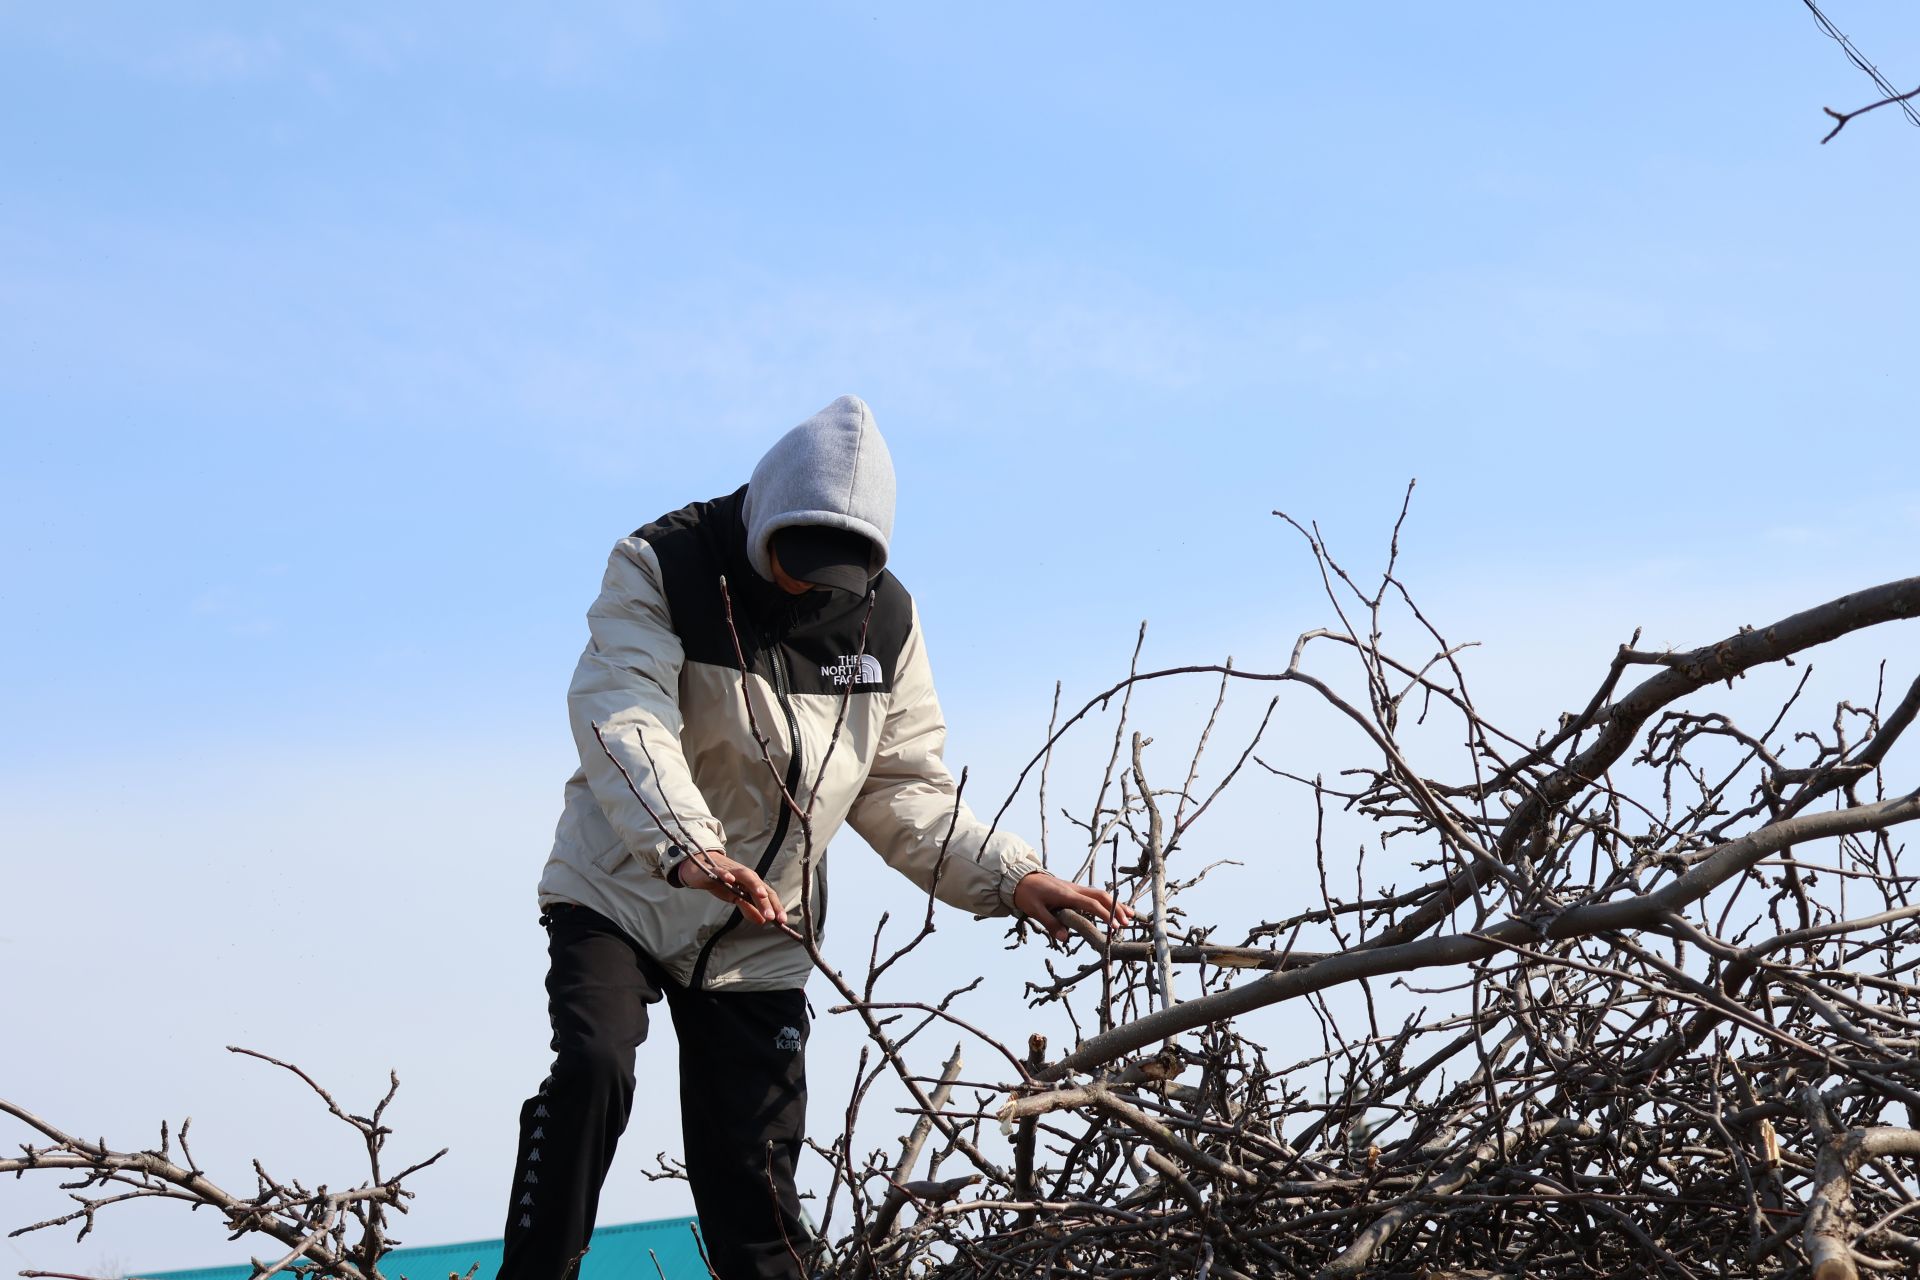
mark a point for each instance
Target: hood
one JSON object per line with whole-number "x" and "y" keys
{"x": 834, "y": 470}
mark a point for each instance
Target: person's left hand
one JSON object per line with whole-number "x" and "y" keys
{"x": 1040, "y": 893}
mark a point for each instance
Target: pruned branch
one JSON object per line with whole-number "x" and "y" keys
{"x": 322, "y": 1232}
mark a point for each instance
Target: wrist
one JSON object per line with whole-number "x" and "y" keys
{"x": 694, "y": 871}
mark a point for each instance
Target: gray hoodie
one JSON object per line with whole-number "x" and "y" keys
{"x": 832, "y": 470}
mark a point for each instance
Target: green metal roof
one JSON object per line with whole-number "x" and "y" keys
{"x": 625, "y": 1252}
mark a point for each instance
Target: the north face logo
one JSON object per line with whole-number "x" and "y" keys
{"x": 788, "y": 1039}
{"x": 864, "y": 669}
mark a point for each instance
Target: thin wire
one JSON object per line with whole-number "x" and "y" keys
{"x": 1859, "y": 59}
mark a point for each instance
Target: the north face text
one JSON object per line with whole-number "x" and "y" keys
{"x": 864, "y": 669}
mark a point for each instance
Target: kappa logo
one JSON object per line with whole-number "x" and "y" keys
{"x": 864, "y": 669}
{"x": 788, "y": 1039}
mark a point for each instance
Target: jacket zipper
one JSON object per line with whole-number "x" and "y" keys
{"x": 820, "y": 897}
{"x": 777, "y": 662}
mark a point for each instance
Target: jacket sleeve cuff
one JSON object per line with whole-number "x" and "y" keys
{"x": 669, "y": 857}
{"x": 1016, "y": 864}
{"x": 665, "y": 855}
{"x": 666, "y": 859}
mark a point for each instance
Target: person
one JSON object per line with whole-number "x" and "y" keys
{"x": 755, "y": 677}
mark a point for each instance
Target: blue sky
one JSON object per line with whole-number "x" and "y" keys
{"x": 337, "y": 344}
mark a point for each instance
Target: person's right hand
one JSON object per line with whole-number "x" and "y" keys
{"x": 735, "y": 883}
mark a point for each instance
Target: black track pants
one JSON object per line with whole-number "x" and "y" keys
{"x": 743, "y": 1101}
